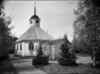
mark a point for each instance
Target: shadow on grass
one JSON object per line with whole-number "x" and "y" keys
{"x": 8, "y": 68}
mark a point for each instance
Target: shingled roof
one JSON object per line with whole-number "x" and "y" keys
{"x": 35, "y": 33}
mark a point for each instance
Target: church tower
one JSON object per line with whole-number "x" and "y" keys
{"x": 34, "y": 19}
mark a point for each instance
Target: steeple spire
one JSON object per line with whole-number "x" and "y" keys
{"x": 34, "y": 7}
{"x": 35, "y": 18}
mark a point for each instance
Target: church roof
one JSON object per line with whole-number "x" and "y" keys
{"x": 35, "y": 33}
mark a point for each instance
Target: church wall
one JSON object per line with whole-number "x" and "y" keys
{"x": 50, "y": 49}
{"x": 57, "y": 50}
{"x": 46, "y": 49}
{"x": 56, "y": 45}
{"x": 25, "y": 49}
{"x": 22, "y": 49}
{"x": 18, "y": 50}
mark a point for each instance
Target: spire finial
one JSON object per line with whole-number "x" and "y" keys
{"x": 34, "y": 7}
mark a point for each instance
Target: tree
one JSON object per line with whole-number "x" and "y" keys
{"x": 65, "y": 47}
{"x": 85, "y": 27}
{"x": 4, "y": 35}
{"x": 5, "y": 64}
{"x": 12, "y": 43}
{"x": 40, "y": 59}
{"x": 67, "y": 58}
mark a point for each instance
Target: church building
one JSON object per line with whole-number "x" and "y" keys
{"x": 29, "y": 42}
{"x": 34, "y": 37}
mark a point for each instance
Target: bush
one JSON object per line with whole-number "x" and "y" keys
{"x": 40, "y": 59}
{"x": 67, "y": 58}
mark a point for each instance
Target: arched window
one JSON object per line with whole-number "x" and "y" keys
{"x": 31, "y": 47}
{"x": 16, "y": 47}
{"x": 20, "y": 46}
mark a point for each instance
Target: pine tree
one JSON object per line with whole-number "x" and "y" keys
{"x": 65, "y": 48}
{"x": 85, "y": 27}
{"x": 67, "y": 58}
{"x": 40, "y": 59}
{"x": 5, "y": 63}
{"x": 4, "y": 34}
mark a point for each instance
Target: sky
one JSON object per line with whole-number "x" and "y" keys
{"x": 57, "y": 17}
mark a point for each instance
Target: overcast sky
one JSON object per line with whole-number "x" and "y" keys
{"x": 57, "y": 17}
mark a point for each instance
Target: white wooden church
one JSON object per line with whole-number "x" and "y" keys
{"x": 29, "y": 42}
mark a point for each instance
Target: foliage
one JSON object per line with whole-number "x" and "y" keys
{"x": 12, "y": 44}
{"x": 67, "y": 58}
{"x": 40, "y": 59}
{"x": 5, "y": 64}
{"x": 86, "y": 27}
{"x": 65, "y": 47}
{"x": 4, "y": 38}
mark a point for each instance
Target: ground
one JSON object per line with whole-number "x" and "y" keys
{"x": 24, "y": 66}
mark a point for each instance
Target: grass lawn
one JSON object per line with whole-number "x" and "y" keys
{"x": 25, "y": 64}
{"x": 80, "y": 69}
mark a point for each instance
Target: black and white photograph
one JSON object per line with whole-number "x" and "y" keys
{"x": 49, "y": 37}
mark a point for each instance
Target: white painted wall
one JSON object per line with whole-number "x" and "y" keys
{"x": 18, "y": 51}
{"x": 25, "y": 49}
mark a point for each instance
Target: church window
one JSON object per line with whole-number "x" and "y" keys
{"x": 20, "y": 46}
{"x": 31, "y": 47}
{"x": 17, "y": 46}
